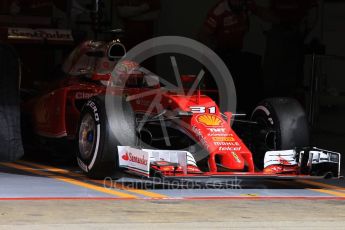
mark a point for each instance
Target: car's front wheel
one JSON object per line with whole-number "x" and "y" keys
{"x": 100, "y": 133}
{"x": 281, "y": 125}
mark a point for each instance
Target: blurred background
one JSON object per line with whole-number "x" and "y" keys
{"x": 272, "y": 47}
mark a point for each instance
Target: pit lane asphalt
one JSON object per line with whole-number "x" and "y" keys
{"x": 32, "y": 180}
{"x": 56, "y": 195}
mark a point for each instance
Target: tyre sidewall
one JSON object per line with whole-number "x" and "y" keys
{"x": 96, "y": 163}
{"x": 287, "y": 117}
{"x": 109, "y": 135}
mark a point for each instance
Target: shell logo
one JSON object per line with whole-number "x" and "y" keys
{"x": 210, "y": 120}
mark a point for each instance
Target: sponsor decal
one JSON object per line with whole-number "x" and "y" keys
{"x": 196, "y": 131}
{"x": 204, "y": 143}
{"x": 125, "y": 157}
{"x": 225, "y": 139}
{"x": 236, "y": 157}
{"x": 223, "y": 143}
{"x": 210, "y": 120}
{"x": 200, "y": 136}
{"x": 220, "y": 135}
{"x": 229, "y": 149}
{"x": 40, "y": 34}
{"x": 228, "y": 146}
{"x": 136, "y": 159}
{"x": 217, "y": 130}
{"x": 84, "y": 95}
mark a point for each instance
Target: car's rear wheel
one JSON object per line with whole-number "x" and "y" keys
{"x": 282, "y": 125}
{"x": 10, "y": 132}
{"x": 97, "y": 153}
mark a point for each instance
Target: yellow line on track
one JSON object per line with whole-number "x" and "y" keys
{"x": 330, "y": 192}
{"x": 321, "y": 185}
{"x": 69, "y": 180}
{"x": 324, "y": 188}
{"x": 107, "y": 183}
{"x": 137, "y": 191}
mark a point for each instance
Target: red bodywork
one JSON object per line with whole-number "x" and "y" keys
{"x": 56, "y": 114}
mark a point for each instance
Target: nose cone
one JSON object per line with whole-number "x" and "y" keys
{"x": 224, "y": 146}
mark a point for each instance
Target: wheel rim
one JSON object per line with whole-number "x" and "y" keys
{"x": 87, "y": 136}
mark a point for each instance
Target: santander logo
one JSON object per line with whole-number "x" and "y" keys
{"x": 135, "y": 159}
{"x": 125, "y": 157}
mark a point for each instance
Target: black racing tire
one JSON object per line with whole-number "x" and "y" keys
{"x": 101, "y": 160}
{"x": 10, "y": 131}
{"x": 286, "y": 120}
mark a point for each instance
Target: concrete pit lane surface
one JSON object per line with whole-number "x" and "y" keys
{"x": 48, "y": 195}
{"x": 173, "y": 214}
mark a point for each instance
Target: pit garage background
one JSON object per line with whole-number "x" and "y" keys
{"x": 44, "y": 183}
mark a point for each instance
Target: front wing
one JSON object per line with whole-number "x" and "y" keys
{"x": 304, "y": 163}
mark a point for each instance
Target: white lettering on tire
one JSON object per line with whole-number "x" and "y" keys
{"x": 82, "y": 165}
{"x": 93, "y": 106}
{"x": 96, "y": 148}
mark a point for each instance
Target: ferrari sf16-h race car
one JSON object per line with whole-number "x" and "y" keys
{"x": 179, "y": 136}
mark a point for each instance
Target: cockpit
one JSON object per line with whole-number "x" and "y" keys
{"x": 103, "y": 61}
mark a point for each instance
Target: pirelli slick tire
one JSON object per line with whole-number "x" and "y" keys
{"x": 97, "y": 153}
{"x": 10, "y": 133}
{"x": 282, "y": 125}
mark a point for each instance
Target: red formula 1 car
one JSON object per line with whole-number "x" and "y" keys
{"x": 119, "y": 124}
